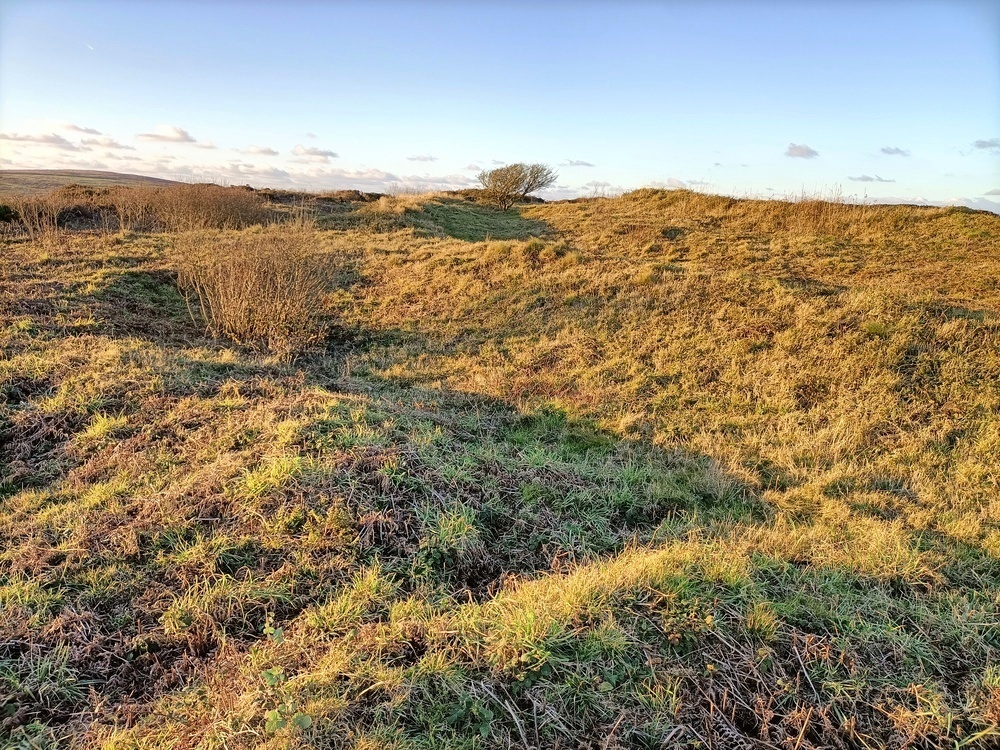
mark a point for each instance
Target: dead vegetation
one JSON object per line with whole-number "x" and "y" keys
{"x": 171, "y": 208}
{"x": 265, "y": 289}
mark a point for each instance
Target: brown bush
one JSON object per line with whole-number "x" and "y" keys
{"x": 133, "y": 207}
{"x": 183, "y": 208}
{"x": 262, "y": 289}
{"x": 37, "y": 214}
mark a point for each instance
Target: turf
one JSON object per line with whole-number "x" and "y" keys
{"x": 664, "y": 470}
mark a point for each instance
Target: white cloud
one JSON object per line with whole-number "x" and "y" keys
{"x": 592, "y": 189}
{"x": 576, "y": 163}
{"x": 869, "y": 178}
{"x": 801, "y": 151}
{"x": 261, "y": 150}
{"x": 376, "y": 180}
{"x": 993, "y": 144}
{"x": 81, "y": 129}
{"x": 106, "y": 142}
{"x": 894, "y": 151}
{"x": 671, "y": 183}
{"x": 422, "y": 157}
{"x": 473, "y": 168}
{"x": 48, "y": 139}
{"x": 168, "y": 134}
{"x": 313, "y": 153}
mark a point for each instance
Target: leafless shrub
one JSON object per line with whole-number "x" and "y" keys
{"x": 133, "y": 207}
{"x": 37, "y": 214}
{"x": 184, "y": 208}
{"x": 262, "y": 289}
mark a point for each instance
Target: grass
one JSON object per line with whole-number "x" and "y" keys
{"x": 24, "y": 181}
{"x": 664, "y": 470}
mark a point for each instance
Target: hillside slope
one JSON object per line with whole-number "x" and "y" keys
{"x": 29, "y": 181}
{"x": 665, "y": 470}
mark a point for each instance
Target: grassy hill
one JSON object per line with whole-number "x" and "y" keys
{"x": 43, "y": 180}
{"x": 664, "y": 470}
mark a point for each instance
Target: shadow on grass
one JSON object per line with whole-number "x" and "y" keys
{"x": 473, "y": 222}
{"x": 147, "y": 305}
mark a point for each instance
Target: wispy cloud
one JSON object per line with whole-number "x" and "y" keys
{"x": 473, "y": 168}
{"x": 311, "y": 135}
{"x": 168, "y": 134}
{"x": 48, "y": 139}
{"x": 422, "y": 157}
{"x": 377, "y": 180}
{"x": 107, "y": 143}
{"x": 576, "y": 163}
{"x": 260, "y": 150}
{"x": 206, "y": 144}
{"x": 992, "y": 192}
{"x": 801, "y": 151}
{"x": 81, "y": 129}
{"x": 673, "y": 183}
{"x": 313, "y": 153}
{"x": 868, "y": 178}
{"x": 894, "y": 151}
{"x": 993, "y": 144}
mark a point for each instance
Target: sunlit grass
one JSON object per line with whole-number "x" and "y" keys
{"x": 665, "y": 468}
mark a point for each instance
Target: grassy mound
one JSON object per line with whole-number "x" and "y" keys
{"x": 665, "y": 470}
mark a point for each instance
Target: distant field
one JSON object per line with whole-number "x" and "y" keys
{"x": 28, "y": 181}
{"x": 659, "y": 471}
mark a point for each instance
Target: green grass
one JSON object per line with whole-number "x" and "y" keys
{"x": 674, "y": 471}
{"x": 473, "y": 222}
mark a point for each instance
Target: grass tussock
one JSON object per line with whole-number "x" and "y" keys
{"x": 663, "y": 470}
{"x": 263, "y": 289}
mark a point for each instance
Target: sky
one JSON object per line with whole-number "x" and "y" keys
{"x": 877, "y": 100}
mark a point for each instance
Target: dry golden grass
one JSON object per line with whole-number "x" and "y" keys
{"x": 807, "y": 347}
{"x": 665, "y": 469}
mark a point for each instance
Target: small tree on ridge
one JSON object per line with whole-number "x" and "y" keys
{"x": 504, "y": 186}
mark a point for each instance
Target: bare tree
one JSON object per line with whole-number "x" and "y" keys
{"x": 504, "y": 186}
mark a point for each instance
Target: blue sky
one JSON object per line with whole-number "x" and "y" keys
{"x": 884, "y": 99}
